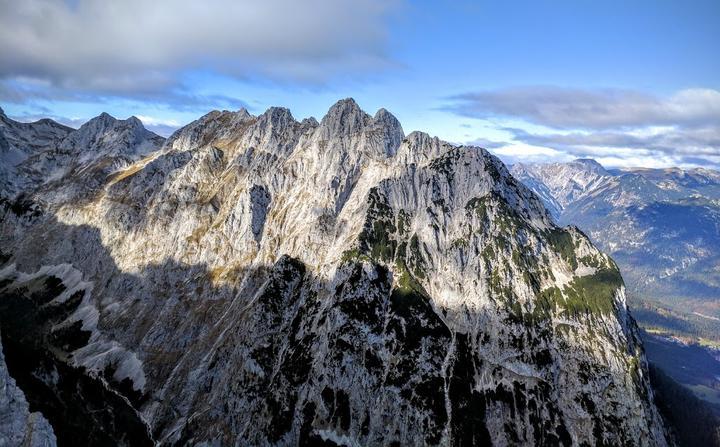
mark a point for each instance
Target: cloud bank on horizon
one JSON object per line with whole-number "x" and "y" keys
{"x": 618, "y": 127}
{"x": 449, "y": 68}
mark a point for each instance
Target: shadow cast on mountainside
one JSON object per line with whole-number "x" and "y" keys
{"x": 174, "y": 343}
{"x": 274, "y": 348}
{"x": 47, "y": 321}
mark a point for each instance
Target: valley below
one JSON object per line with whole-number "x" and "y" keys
{"x": 662, "y": 227}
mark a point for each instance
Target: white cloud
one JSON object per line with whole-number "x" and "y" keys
{"x": 616, "y": 127}
{"x": 641, "y": 147}
{"x": 528, "y": 153}
{"x": 139, "y": 46}
{"x": 152, "y": 121}
{"x": 565, "y": 108}
{"x": 163, "y": 127}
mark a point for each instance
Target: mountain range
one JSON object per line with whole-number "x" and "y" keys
{"x": 267, "y": 281}
{"x": 662, "y": 227}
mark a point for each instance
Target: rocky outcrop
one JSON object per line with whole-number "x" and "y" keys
{"x": 18, "y": 426}
{"x": 280, "y": 282}
{"x": 45, "y": 155}
{"x": 19, "y": 142}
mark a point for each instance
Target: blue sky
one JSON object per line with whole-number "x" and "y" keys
{"x": 627, "y": 82}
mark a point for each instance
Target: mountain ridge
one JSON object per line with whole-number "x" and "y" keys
{"x": 663, "y": 228}
{"x": 264, "y": 280}
{"x": 629, "y": 213}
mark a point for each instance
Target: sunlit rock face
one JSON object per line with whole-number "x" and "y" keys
{"x": 264, "y": 281}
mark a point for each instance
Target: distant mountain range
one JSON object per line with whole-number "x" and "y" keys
{"x": 662, "y": 227}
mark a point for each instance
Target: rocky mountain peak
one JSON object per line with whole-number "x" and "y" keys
{"x": 105, "y": 135}
{"x": 559, "y": 184}
{"x": 102, "y": 121}
{"x": 420, "y": 148}
{"x": 52, "y": 123}
{"x": 243, "y": 113}
{"x": 215, "y": 125}
{"x": 381, "y": 135}
{"x": 276, "y": 116}
{"x": 5, "y": 121}
{"x": 343, "y": 283}
{"x": 134, "y": 121}
{"x": 385, "y": 117}
{"x": 592, "y": 165}
{"x": 390, "y": 128}
{"x": 344, "y": 118}
{"x": 310, "y": 122}
{"x": 46, "y": 151}
{"x": 105, "y": 121}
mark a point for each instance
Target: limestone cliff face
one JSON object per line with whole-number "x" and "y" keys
{"x": 259, "y": 280}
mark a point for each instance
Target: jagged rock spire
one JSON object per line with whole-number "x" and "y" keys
{"x": 391, "y": 129}
{"x": 344, "y": 118}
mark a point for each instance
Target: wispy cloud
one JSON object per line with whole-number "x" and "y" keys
{"x": 565, "y": 108}
{"x": 164, "y": 127}
{"x": 671, "y": 140}
{"x": 648, "y": 147}
{"x": 621, "y": 127}
{"x": 486, "y": 143}
{"x": 176, "y": 97}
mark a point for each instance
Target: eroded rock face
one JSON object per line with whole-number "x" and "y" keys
{"x": 18, "y": 426}
{"x": 38, "y": 317}
{"x": 260, "y": 280}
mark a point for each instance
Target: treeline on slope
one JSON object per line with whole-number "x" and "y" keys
{"x": 692, "y": 421}
{"x": 651, "y": 316}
